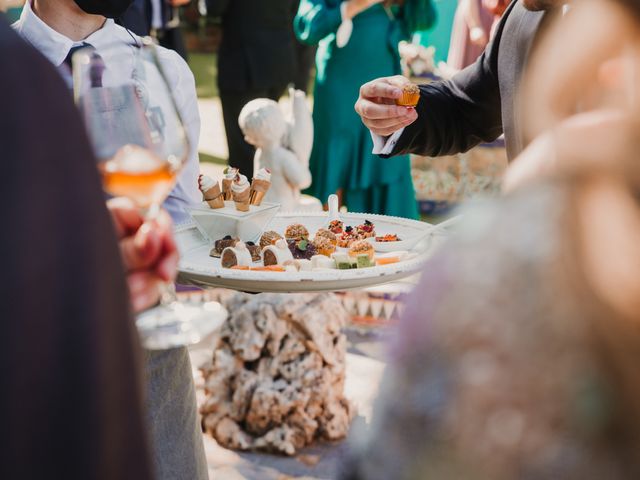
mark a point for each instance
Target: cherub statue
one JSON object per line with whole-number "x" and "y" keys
{"x": 417, "y": 60}
{"x": 283, "y": 147}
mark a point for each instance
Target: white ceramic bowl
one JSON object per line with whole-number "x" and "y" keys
{"x": 215, "y": 224}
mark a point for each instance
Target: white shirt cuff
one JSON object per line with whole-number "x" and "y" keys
{"x": 385, "y": 145}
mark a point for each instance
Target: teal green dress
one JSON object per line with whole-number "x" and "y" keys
{"x": 440, "y": 35}
{"x": 341, "y": 158}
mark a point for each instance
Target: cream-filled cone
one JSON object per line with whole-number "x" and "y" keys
{"x": 259, "y": 189}
{"x": 242, "y": 200}
{"x": 260, "y": 186}
{"x": 211, "y": 192}
{"x": 226, "y": 189}
{"x": 214, "y": 197}
{"x": 241, "y": 193}
{"x": 230, "y": 175}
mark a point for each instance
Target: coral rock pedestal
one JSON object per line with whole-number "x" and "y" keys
{"x": 276, "y": 379}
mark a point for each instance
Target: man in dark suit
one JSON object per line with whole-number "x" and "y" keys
{"x": 256, "y": 59}
{"x": 71, "y": 403}
{"x": 160, "y": 19}
{"x": 477, "y": 105}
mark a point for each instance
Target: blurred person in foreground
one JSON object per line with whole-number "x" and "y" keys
{"x": 477, "y": 105}
{"x": 72, "y": 402}
{"x": 56, "y": 28}
{"x": 585, "y": 111}
{"x": 257, "y": 59}
{"x": 518, "y": 353}
{"x": 357, "y": 41}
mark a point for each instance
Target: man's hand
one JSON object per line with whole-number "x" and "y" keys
{"x": 148, "y": 251}
{"x": 376, "y": 106}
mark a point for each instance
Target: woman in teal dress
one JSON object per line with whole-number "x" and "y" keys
{"x": 341, "y": 160}
{"x": 440, "y": 36}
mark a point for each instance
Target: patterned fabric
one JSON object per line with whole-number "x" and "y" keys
{"x": 506, "y": 366}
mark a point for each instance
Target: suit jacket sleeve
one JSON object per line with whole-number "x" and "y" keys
{"x": 456, "y": 115}
{"x": 316, "y": 19}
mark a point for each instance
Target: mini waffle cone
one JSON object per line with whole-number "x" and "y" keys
{"x": 242, "y": 200}
{"x": 259, "y": 189}
{"x": 213, "y": 197}
{"x": 217, "y": 202}
{"x": 226, "y": 189}
{"x": 256, "y": 198}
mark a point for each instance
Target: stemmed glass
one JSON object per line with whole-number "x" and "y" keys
{"x": 141, "y": 145}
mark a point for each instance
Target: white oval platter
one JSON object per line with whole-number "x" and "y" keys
{"x": 198, "y": 268}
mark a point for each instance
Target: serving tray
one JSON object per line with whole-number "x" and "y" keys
{"x": 198, "y": 268}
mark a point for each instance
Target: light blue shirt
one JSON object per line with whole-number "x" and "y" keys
{"x": 56, "y": 46}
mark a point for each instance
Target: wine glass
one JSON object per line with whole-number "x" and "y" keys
{"x": 141, "y": 145}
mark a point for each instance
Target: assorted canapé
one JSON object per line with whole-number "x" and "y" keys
{"x": 336, "y": 247}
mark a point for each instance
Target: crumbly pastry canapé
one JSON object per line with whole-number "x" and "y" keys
{"x": 410, "y": 96}
{"x": 297, "y": 231}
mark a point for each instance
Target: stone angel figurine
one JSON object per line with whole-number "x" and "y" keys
{"x": 283, "y": 147}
